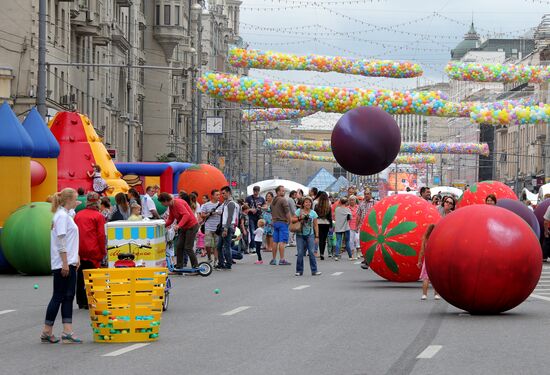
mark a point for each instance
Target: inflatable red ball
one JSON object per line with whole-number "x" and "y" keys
{"x": 391, "y": 236}
{"x": 477, "y": 193}
{"x": 202, "y": 178}
{"x": 365, "y": 140}
{"x": 38, "y": 173}
{"x": 483, "y": 259}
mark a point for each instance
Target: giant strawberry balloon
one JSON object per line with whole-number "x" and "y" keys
{"x": 391, "y": 236}
{"x": 477, "y": 193}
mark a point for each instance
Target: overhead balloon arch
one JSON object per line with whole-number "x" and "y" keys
{"x": 366, "y": 132}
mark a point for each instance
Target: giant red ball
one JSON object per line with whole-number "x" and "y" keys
{"x": 477, "y": 193}
{"x": 483, "y": 259}
{"x": 391, "y": 236}
{"x": 365, "y": 140}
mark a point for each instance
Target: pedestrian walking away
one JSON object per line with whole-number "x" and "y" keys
{"x": 280, "y": 212}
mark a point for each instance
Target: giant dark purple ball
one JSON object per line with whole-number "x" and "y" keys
{"x": 366, "y": 140}
{"x": 522, "y": 211}
{"x": 540, "y": 211}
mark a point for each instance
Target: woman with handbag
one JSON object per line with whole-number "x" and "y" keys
{"x": 324, "y": 221}
{"x": 305, "y": 225}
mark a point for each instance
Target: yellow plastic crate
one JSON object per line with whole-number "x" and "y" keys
{"x": 125, "y": 303}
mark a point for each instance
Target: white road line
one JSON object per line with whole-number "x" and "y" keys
{"x": 125, "y": 350}
{"x": 540, "y": 297}
{"x": 301, "y": 287}
{"x": 336, "y": 273}
{"x": 6, "y": 311}
{"x": 236, "y": 311}
{"x": 429, "y": 352}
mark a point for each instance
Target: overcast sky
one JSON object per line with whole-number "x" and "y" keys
{"x": 382, "y": 29}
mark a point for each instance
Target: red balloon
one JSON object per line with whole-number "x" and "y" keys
{"x": 38, "y": 173}
{"x": 202, "y": 178}
{"x": 391, "y": 235}
{"x": 483, "y": 259}
{"x": 477, "y": 193}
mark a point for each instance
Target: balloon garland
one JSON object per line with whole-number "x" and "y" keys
{"x": 406, "y": 147}
{"x": 401, "y": 159}
{"x": 479, "y": 72}
{"x": 274, "y": 114}
{"x": 285, "y": 61}
{"x": 267, "y": 93}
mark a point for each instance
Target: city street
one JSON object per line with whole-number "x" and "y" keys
{"x": 267, "y": 321}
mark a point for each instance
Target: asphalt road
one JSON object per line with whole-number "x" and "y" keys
{"x": 347, "y": 321}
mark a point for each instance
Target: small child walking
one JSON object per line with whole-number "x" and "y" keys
{"x": 200, "y": 242}
{"x": 422, "y": 264}
{"x": 100, "y": 185}
{"x": 258, "y": 238}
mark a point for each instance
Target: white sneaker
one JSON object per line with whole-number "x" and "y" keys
{"x": 352, "y": 259}
{"x": 336, "y": 258}
{"x": 424, "y": 297}
{"x": 437, "y": 296}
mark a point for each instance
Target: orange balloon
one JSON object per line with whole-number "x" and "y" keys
{"x": 202, "y": 178}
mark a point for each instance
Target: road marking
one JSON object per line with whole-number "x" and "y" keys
{"x": 125, "y": 350}
{"x": 236, "y": 311}
{"x": 6, "y": 311}
{"x": 357, "y": 262}
{"x": 429, "y": 352}
{"x": 337, "y": 273}
{"x": 301, "y": 287}
{"x": 540, "y": 297}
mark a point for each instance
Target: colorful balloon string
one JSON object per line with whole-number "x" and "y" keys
{"x": 401, "y": 159}
{"x": 406, "y": 147}
{"x": 284, "y": 61}
{"x": 274, "y": 94}
{"x": 274, "y": 114}
{"x": 483, "y": 72}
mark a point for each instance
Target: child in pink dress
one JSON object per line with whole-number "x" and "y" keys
{"x": 422, "y": 264}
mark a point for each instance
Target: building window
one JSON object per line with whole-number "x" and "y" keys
{"x": 157, "y": 20}
{"x": 177, "y": 14}
{"x": 62, "y": 27}
{"x": 167, "y": 14}
{"x": 56, "y": 35}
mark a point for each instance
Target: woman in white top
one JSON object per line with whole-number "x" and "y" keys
{"x": 342, "y": 215}
{"x": 64, "y": 262}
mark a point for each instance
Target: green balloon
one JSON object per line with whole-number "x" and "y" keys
{"x": 26, "y": 238}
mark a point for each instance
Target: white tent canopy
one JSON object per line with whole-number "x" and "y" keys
{"x": 270, "y": 185}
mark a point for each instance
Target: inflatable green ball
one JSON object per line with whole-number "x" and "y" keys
{"x": 26, "y": 239}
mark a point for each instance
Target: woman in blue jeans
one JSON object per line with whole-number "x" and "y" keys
{"x": 307, "y": 238}
{"x": 64, "y": 262}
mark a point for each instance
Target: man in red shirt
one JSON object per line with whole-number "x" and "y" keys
{"x": 188, "y": 226}
{"x": 91, "y": 228}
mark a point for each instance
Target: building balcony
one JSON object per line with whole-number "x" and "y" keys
{"x": 168, "y": 36}
{"x": 118, "y": 37}
{"x": 123, "y": 3}
{"x": 86, "y": 23}
{"x": 178, "y": 101}
{"x": 104, "y": 36}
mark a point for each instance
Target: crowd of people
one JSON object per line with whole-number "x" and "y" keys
{"x": 220, "y": 230}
